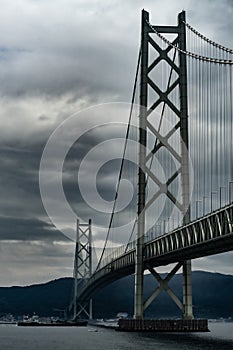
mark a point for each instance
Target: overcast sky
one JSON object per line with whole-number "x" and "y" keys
{"x": 56, "y": 59}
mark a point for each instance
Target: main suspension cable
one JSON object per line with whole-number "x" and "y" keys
{"x": 209, "y": 41}
{"x": 188, "y": 53}
{"x": 123, "y": 158}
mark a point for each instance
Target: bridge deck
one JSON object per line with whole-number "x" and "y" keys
{"x": 211, "y": 234}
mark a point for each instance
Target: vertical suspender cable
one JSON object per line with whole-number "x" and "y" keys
{"x": 231, "y": 128}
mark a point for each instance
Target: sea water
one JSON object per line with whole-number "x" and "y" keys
{"x": 92, "y": 338}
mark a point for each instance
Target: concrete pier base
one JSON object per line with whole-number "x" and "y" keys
{"x": 133, "y": 325}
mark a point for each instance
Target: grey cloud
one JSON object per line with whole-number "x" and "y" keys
{"x": 34, "y": 262}
{"x": 217, "y": 263}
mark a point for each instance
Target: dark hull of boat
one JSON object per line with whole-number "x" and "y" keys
{"x": 53, "y": 324}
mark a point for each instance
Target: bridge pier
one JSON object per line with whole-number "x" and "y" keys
{"x": 127, "y": 325}
{"x": 187, "y": 290}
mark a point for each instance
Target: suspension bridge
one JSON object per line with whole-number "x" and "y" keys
{"x": 184, "y": 176}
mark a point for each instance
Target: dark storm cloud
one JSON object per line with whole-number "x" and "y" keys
{"x": 105, "y": 179}
{"x": 21, "y": 206}
{"x": 20, "y": 186}
{"x": 22, "y": 229}
{"x": 19, "y": 180}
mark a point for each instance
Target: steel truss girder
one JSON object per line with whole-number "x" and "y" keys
{"x": 211, "y": 234}
{"x": 207, "y": 229}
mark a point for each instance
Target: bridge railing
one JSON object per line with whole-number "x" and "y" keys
{"x": 117, "y": 253}
{"x": 150, "y": 235}
{"x": 208, "y": 224}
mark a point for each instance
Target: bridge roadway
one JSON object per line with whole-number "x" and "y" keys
{"x": 211, "y": 234}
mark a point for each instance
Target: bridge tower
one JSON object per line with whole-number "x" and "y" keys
{"x": 82, "y": 269}
{"x": 181, "y": 126}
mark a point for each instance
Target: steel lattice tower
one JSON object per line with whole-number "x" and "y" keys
{"x": 82, "y": 268}
{"x": 163, "y": 141}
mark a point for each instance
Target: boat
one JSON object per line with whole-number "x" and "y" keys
{"x": 79, "y": 323}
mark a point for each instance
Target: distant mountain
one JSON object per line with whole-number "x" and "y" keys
{"x": 39, "y": 298}
{"x": 212, "y": 297}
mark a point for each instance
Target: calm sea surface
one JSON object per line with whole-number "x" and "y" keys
{"x": 20, "y": 338}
